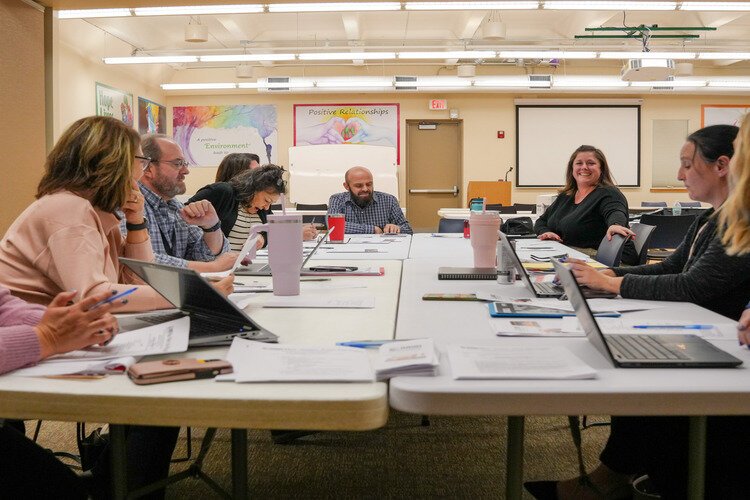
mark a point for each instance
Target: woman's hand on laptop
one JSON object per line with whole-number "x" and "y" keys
{"x": 549, "y": 235}
{"x": 590, "y": 277}
{"x": 224, "y": 286}
{"x": 743, "y": 328}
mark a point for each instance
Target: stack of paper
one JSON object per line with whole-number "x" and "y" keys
{"x": 514, "y": 362}
{"x": 408, "y": 357}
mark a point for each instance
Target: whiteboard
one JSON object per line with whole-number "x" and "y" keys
{"x": 546, "y": 136}
{"x": 316, "y": 172}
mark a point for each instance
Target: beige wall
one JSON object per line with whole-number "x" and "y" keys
{"x": 22, "y": 139}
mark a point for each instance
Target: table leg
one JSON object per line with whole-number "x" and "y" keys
{"x": 514, "y": 460}
{"x": 239, "y": 464}
{"x": 119, "y": 461}
{"x": 697, "y": 458}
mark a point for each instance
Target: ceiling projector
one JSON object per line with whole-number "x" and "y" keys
{"x": 647, "y": 70}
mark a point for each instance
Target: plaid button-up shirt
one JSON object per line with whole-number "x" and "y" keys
{"x": 175, "y": 242}
{"x": 382, "y": 210}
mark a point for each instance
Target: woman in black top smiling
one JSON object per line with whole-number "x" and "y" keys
{"x": 588, "y": 207}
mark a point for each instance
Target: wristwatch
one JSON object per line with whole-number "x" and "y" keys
{"x": 136, "y": 227}
{"x": 213, "y": 228}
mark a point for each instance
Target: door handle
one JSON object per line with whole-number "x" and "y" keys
{"x": 453, "y": 191}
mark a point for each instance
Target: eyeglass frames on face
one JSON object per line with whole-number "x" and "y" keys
{"x": 145, "y": 161}
{"x": 176, "y": 163}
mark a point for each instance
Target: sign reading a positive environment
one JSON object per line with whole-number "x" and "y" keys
{"x": 207, "y": 134}
{"x": 115, "y": 103}
{"x": 373, "y": 124}
{"x": 438, "y": 104}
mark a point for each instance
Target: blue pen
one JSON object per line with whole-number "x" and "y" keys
{"x": 365, "y": 344}
{"x": 677, "y": 327}
{"x": 114, "y": 297}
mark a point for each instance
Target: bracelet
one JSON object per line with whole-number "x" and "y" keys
{"x": 213, "y": 228}
{"x": 136, "y": 227}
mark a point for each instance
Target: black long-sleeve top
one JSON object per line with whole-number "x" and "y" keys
{"x": 709, "y": 277}
{"x": 585, "y": 224}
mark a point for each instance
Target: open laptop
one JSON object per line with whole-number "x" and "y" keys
{"x": 639, "y": 350}
{"x": 546, "y": 289}
{"x": 214, "y": 319}
{"x": 264, "y": 269}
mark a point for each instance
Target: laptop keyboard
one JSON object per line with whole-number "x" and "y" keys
{"x": 643, "y": 347}
{"x": 198, "y": 326}
{"x": 547, "y": 288}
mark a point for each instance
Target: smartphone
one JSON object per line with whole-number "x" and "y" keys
{"x": 450, "y": 296}
{"x": 173, "y": 370}
{"x": 333, "y": 269}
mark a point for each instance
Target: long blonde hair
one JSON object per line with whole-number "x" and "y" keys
{"x": 94, "y": 156}
{"x": 735, "y": 214}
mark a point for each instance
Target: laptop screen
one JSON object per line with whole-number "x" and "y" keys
{"x": 517, "y": 262}
{"x": 315, "y": 248}
{"x": 583, "y": 312}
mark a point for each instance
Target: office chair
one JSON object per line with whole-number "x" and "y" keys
{"x": 670, "y": 229}
{"x": 690, "y": 204}
{"x": 609, "y": 252}
{"x": 451, "y": 226}
{"x": 643, "y": 234}
{"x": 276, "y": 208}
{"x": 655, "y": 204}
{"x": 497, "y": 207}
{"x": 313, "y": 219}
{"x": 525, "y": 207}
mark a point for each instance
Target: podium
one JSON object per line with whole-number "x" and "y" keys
{"x": 494, "y": 191}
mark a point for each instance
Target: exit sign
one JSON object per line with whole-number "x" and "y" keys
{"x": 438, "y": 104}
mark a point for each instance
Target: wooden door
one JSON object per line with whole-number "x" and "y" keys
{"x": 433, "y": 170}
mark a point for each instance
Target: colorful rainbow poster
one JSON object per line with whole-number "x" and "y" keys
{"x": 373, "y": 124}
{"x": 208, "y": 133}
{"x": 152, "y": 117}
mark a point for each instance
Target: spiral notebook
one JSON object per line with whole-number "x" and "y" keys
{"x": 467, "y": 273}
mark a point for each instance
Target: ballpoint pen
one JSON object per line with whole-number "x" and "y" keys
{"x": 364, "y": 344}
{"x": 113, "y": 298}
{"x": 676, "y": 327}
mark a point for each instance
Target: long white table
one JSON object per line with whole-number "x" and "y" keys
{"x": 692, "y": 392}
{"x": 359, "y": 247}
{"x": 342, "y": 406}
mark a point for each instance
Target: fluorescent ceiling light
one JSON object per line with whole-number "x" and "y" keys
{"x": 545, "y": 54}
{"x": 739, "y": 84}
{"x": 194, "y": 10}
{"x": 344, "y": 56}
{"x": 724, "y": 55}
{"x": 92, "y": 13}
{"x": 501, "y": 82}
{"x": 198, "y": 86}
{"x": 293, "y": 83}
{"x": 670, "y": 83}
{"x": 354, "y": 82}
{"x": 647, "y": 55}
{"x": 716, "y": 6}
{"x": 150, "y": 59}
{"x": 452, "y": 54}
{"x": 334, "y": 7}
{"x": 587, "y": 82}
{"x": 608, "y": 5}
{"x": 471, "y": 5}
{"x": 247, "y": 57}
{"x": 248, "y": 85}
{"x": 437, "y": 82}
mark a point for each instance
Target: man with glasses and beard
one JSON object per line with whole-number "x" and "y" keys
{"x": 365, "y": 210}
{"x": 181, "y": 235}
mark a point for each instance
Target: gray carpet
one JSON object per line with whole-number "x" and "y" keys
{"x": 456, "y": 457}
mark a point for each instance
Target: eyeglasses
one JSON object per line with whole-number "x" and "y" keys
{"x": 177, "y": 163}
{"x": 145, "y": 161}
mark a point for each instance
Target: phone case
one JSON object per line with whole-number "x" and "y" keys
{"x": 173, "y": 370}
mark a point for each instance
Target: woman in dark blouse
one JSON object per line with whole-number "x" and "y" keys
{"x": 588, "y": 207}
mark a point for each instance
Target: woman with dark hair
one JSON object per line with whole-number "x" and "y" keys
{"x": 699, "y": 271}
{"x": 245, "y": 201}
{"x": 588, "y": 207}
{"x": 236, "y": 163}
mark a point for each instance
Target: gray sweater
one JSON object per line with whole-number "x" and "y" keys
{"x": 709, "y": 278}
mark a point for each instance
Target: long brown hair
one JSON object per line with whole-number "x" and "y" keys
{"x": 735, "y": 213}
{"x": 94, "y": 156}
{"x": 605, "y": 179}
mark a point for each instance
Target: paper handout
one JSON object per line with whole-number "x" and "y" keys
{"x": 406, "y": 357}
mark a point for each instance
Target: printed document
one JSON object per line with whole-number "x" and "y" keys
{"x": 317, "y": 301}
{"x": 406, "y": 357}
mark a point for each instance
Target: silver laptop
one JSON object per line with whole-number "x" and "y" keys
{"x": 546, "y": 289}
{"x": 214, "y": 319}
{"x": 262, "y": 269}
{"x": 638, "y": 350}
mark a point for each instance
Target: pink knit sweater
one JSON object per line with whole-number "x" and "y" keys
{"x": 19, "y": 345}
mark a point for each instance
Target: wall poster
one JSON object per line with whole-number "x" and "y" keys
{"x": 373, "y": 124}
{"x": 115, "y": 103}
{"x": 723, "y": 114}
{"x": 152, "y": 117}
{"x": 207, "y": 134}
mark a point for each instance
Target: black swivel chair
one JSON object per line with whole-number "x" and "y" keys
{"x": 669, "y": 233}
{"x": 690, "y": 204}
{"x": 276, "y": 208}
{"x": 314, "y": 219}
{"x": 643, "y": 234}
{"x": 525, "y": 207}
{"x": 451, "y": 226}
{"x": 498, "y": 207}
{"x": 609, "y": 252}
{"x": 655, "y": 204}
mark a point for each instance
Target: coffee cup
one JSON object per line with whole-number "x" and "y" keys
{"x": 485, "y": 227}
{"x": 338, "y": 223}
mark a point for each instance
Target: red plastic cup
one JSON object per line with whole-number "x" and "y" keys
{"x": 467, "y": 230}
{"x": 337, "y": 222}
